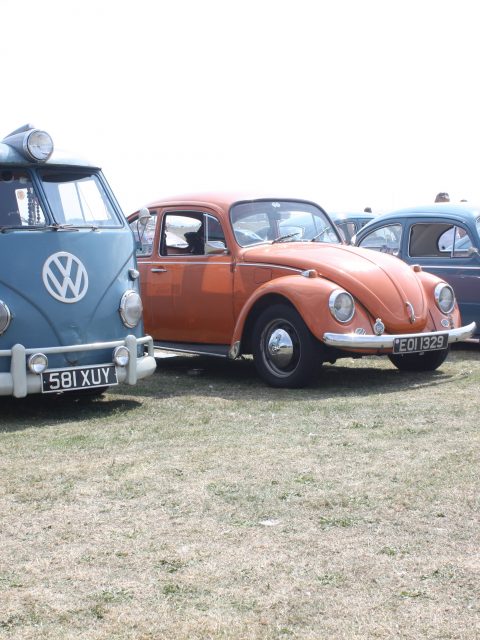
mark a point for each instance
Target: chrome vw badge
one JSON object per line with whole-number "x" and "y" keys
{"x": 65, "y": 277}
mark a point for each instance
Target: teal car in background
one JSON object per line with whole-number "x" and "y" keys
{"x": 443, "y": 239}
{"x": 350, "y": 222}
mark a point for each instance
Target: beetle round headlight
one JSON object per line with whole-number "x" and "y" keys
{"x": 444, "y": 297}
{"x": 38, "y": 145}
{"x": 131, "y": 308}
{"x": 342, "y": 306}
{"x": 37, "y": 363}
{"x": 5, "y": 317}
{"x": 121, "y": 356}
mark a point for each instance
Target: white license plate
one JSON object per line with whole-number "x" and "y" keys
{"x": 415, "y": 344}
{"x": 79, "y": 378}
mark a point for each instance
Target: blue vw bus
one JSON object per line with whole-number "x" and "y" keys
{"x": 70, "y": 309}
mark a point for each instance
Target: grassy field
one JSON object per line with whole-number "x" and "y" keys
{"x": 202, "y": 504}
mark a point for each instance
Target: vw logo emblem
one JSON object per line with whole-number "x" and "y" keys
{"x": 65, "y": 277}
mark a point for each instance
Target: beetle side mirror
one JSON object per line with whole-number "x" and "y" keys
{"x": 144, "y": 216}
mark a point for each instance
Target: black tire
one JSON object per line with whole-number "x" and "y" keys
{"x": 285, "y": 353}
{"x": 426, "y": 361}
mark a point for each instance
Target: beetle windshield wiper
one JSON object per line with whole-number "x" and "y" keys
{"x": 286, "y": 236}
{"x": 319, "y": 235}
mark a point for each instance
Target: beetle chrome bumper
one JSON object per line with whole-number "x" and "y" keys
{"x": 20, "y": 382}
{"x": 385, "y": 341}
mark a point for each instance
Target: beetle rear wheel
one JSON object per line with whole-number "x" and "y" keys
{"x": 285, "y": 353}
{"x": 426, "y": 361}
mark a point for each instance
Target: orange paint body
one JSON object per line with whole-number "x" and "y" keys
{"x": 207, "y": 297}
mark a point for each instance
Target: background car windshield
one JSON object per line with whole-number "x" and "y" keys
{"x": 280, "y": 221}
{"x": 79, "y": 199}
{"x": 385, "y": 239}
{"x": 19, "y": 206}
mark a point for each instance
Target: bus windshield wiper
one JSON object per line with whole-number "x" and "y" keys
{"x": 71, "y": 227}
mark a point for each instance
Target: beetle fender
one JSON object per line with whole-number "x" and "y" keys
{"x": 429, "y": 282}
{"x": 309, "y": 296}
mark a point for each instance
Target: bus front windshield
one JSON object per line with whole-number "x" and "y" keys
{"x": 78, "y": 198}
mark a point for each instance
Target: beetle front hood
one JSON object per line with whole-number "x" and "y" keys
{"x": 387, "y": 287}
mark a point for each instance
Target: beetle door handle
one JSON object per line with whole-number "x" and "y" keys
{"x": 158, "y": 270}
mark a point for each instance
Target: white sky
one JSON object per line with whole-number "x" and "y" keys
{"x": 351, "y": 103}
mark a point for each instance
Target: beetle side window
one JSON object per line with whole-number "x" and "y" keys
{"x": 461, "y": 245}
{"x": 214, "y": 238}
{"x": 191, "y": 234}
{"x": 180, "y": 233}
{"x": 439, "y": 239}
{"x": 144, "y": 236}
{"x": 385, "y": 239}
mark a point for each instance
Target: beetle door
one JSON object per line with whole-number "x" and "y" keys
{"x": 447, "y": 249}
{"x": 156, "y": 292}
{"x": 188, "y": 280}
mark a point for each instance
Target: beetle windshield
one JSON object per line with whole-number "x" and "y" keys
{"x": 78, "y": 198}
{"x": 280, "y": 221}
{"x": 19, "y": 206}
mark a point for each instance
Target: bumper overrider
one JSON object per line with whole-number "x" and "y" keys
{"x": 385, "y": 342}
{"x": 20, "y": 382}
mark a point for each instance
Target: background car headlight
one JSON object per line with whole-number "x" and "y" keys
{"x": 5, "y": 317}
{"x": 131, "y": 308}
{"x": 444, "y": 297}
{"x": 342, "y": 306}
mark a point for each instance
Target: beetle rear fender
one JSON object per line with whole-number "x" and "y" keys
{"x": 309, "y": 296}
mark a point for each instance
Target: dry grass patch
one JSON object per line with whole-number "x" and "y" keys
{"x": 202, "y": 504}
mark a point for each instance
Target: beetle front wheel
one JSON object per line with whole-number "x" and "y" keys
{"x": 285, "y": 353}
{"x": 426, "y": 361}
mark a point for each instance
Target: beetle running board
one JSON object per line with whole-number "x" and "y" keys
{"x": 218, "y": 350}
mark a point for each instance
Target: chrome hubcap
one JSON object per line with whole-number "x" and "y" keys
{"x": 280, "y": 348}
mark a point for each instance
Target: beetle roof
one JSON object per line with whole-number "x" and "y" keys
{"x": 462, "y": 211}
{"x": 222, "y": 200}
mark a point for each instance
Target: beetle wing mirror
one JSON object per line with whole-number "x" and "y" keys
{"x": 144, "y": 216}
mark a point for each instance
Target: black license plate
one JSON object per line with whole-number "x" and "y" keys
{"x": 79, "y": 378}
{"x": 416, "y": 344}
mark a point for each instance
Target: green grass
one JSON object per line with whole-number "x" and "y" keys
{"x": 210, "y": 506}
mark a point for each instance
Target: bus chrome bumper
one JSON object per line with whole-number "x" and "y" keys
{"x": 386, "y": 341}
{"x": 20, "y": 382}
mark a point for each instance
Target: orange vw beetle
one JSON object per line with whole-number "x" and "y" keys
{"x": 227, "y": 276}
